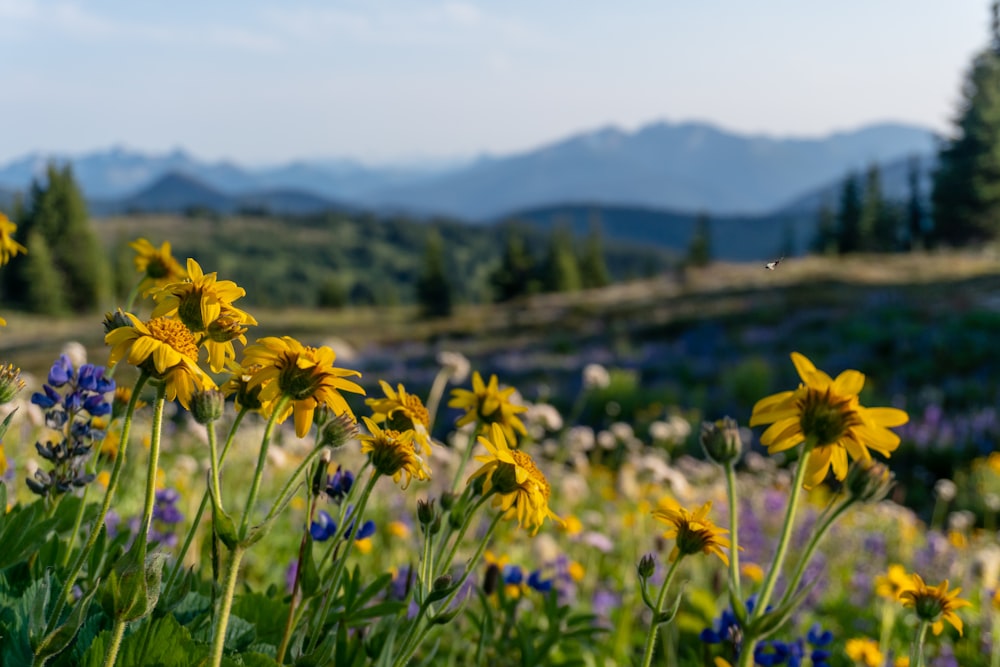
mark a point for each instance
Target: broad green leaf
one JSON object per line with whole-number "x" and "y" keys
{"x": 60, "y": 638}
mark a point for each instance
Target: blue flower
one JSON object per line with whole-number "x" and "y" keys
{"x": 536, "y": 582}
{"x": 323, "y": 528}
{"x": 47, "y": 400}
{"x": 513, "y": 574}
{"x": 61, "y": 371}
{"x": 817, "y": 637}
{"x": 367, "y": 530}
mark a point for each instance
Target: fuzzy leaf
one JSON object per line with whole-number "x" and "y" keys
{"x": 60, "y": 638}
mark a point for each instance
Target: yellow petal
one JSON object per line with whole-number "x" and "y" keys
{"x": 849, "y": 383}
{"x": 886, "y": 416}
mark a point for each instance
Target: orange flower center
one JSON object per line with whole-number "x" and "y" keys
{"x": 174, "y": 334}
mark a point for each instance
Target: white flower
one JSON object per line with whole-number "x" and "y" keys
{"x": 945, "y": 490}
{"x": 622, "y": 431}
{"x": 76, "y": 352}
{"x": 606, "y": 440}
{"x": 596, "y": 376}
{"x": 457, "y": 365}
{"x": 580, "y": 439}
{"x": 544, "y": 415}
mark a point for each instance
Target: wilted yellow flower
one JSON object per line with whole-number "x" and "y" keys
{"x": 304, "y": 374}
{"x": 166, "y": 350}
{"x": 693, "y": 532}
{"x": 402, "y": 412}
{"x": 9, "y": 248}
{"x": 157, "y": 264}
{"x": 825, "y": 413}
{"x": 521, "y": 489}
{"x": 865, "y": 651}
{"x": 488, "y": 404}
{"x": 935, "y": 604}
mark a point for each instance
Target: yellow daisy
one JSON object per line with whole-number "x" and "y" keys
{"x": 402, "y": 412}
{"x": 157, "y": 264}
{"x": 489, "y": 404}
{"x": 521, "y": 489}
{"x": 198, "y": 300}
{"x": 865, "y": 651}
{"x": 163, "y": 348}
{"x": 9, "y": 248}
{"x": 238, "y": 386}
{"x": 825, "y": 414}
{"x": 893, "y": 583}
{"x": 693, "y": 532}
{"x": 304, "y": 374}
{"x": 393, "y": 454}
{"x": 935, "y": 604}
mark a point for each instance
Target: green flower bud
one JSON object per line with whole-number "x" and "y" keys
{"x": 425, "y": 512}
{"x": 868, "y": 481}
{"x": 10, "y": 383}
{"x": 442, "y": 582}
{"x": 116, "y": 320}
{"x": 721, "y": 440}
{"x": 646, "y": 567}
{"x": 338, "y": 431}
{"x": 207, "y": 406}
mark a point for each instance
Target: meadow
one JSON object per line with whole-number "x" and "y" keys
{"x": 543, "y": 482}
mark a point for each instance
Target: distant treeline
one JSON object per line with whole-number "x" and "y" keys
{"x": 329, "y": 260}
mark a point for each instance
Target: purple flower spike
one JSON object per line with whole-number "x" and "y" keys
{"x": 61, "y": 371}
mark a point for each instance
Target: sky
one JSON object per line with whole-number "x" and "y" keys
{"x": 406, "y": 80}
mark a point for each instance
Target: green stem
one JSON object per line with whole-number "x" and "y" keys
{"x": 76, "y": 526}
{"x": 338, "y": 567}
{"x": 154, "y": 462}
{"x": 749, "y": 639}
{"x": 917, "y": 648}
{"x": 117, "y": 632}
{"x": 109, "y": 495}
{"x": 446, "y": 563}
{"x": 290, "y": 487}
{"x": 413, "y": 639}
{"x": 426, "y": 564}
{"x": 647, "y": 655}
{"x": 303, "y": 545}
{"x": 446, "y": 528}
{"x": 888, "y": 621}
{"x": 466, "y": 455}
{"x": 814, "y": 540}
{"x": 261, "y": 460}
{"x": 995, "y": 632}
{"x": 226, "y": 605}
{"x": 734, "y": 532}
{"x": 213, "y": 452}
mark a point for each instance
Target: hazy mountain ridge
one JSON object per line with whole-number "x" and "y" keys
{"x": 682, "y": 166}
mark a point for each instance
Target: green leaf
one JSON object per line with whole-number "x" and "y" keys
{"x": 225, "y": 529}
{"x": 60, "y": 638}
{"x": 240, "y": 633}
{"x": 39, "y": 607}
{"x": 251, "y": 659}
{"x": 308, "y": 573}
{"x": 15, "y": 649}
{"x": 265, "y": 614}
{"x": 170, "y": 645}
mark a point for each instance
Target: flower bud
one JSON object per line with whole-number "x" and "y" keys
{"x": 646, "y": 567}
{"x": 442, "y": 582}
{"x": 868, "y": 481}
{"x": 10, "y": 383}
{"x": 116, "y": 320}
{"x": 338, "y": 431}
{"x": 448, "y": 500}
{"x": 425, "y": 512}
{"x": 207, "y": 406}
{"x": 721, "y": 440}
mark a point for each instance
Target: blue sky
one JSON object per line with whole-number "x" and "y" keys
{"x": 385, "y": 80}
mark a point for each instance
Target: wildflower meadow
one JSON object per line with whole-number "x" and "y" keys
{"x": 200, "y": 495}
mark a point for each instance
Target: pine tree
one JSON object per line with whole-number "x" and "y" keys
{"x": 700, "y": 247}
{"x": 433, "y": 288}
{"x": 560, "y": 271}
{"x": 878, "y": 223}
{"x": 593, "y": 268}
{"x": 825, "y": 241}
{"x": 849, "y": 217}
{"x": 914, "y": 206}
{"x": 516, "y": 274}
{"x": 42, "y": 289}
{"x": 966, "y": 193}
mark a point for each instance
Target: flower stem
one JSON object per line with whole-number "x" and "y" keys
{"x": 292, "y": 609}
{"x": 226, "y": 605}
{"x": 434, "y": 396}
{"x": 734, "y": 532}
{"x": 117, "y": 632}
{"x": 647, "y": 655}
{"x": 466, "y": 455}
{"x": 261, "y": 460}
{"x": 814, "y": 540}
{"x": 109, "y": 495}
{"x": 917, "y": 648}
{"x": 446, "y": 563}
{"x": 154, "y": 462}
{"x": 76, "y": 526}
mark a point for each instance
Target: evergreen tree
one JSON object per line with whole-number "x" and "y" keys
{"x": 433, "y": 288}
{"x": 560, "y": 271}
{"x": 825, "y": 241}
{"x": 56, "y": 212}
{"x": 593, "y": 268}
{"x": 914, "y": 206}
{"x": 42, "y": 290}
{"x": 516, "y": 274}
{"x": 700, "y": 248}
{"x": 849, "y": 217}
{"x": 878, "y": 224}
{"x": 966, "y": 191}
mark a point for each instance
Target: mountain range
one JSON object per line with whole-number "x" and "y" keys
{"x": 680, "y": 167}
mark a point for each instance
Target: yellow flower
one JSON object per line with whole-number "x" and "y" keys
{"x": 576, "y": 571}
{"x": 238, "y": 386}
{"x": 402, "y": 412}
{"x": 304, "y": 374}
{"x": 166, "y": 350}
{"x": 393, "y": 454}
{"x": 865, "y": 651}
{"x": 3, "y": 461}
{"x": 752, "y": 571}
{"x": 721, "y": 662}
{"x": 894, "y": 583}
{"x": 693, "y": 531}
{"x": 825, "y": 414}
{"x": 8, "y": 246}
{"x": 205, "y": 305}
{"x": 488, "y": 404}
{"x": 935, "y": 604}
{"x": 521, "y": 489}
{"x": 572, "y": 525}
{"x": 399, "y": 529}
{"x": 995, "y": 600}
{"x": 901, "y": 661}
{"x": 158, "y": 265}
{"x": 364, "y": 545}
